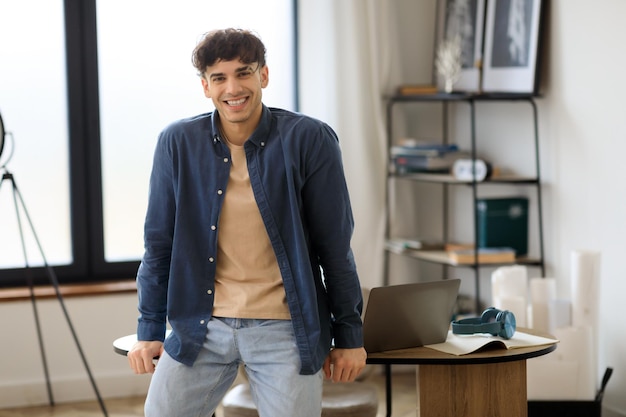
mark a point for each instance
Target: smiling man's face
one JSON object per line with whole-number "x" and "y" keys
{"x": 236, "y": 90}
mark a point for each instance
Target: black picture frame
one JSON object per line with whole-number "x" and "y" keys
{"x": 513, "y": 31}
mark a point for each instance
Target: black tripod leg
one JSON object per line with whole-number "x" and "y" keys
{"x": 55, "y": 283}
{"x": 40, "y": 338}
{"x": 31, "y": 288}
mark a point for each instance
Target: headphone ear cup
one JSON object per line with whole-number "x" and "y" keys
{"x": 501, "y": 319}
{"x": 501, "y": 315}
{"x": 508, "y": 323}
{"x": 489, "y": 314}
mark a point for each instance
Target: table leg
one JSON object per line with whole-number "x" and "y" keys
{"x": 388, "y": 388}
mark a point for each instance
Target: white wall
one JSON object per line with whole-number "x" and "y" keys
{"x": 97, "y": 321}
{"x": 584, "y": 136}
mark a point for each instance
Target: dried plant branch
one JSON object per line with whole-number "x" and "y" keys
{"x": 448, "y": 61}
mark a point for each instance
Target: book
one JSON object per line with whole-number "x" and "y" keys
{"x": 464, "y": 344}
{"x": 451, "y": 246}
{"x": 401, "y": 245}
{"x": 423, "y": 149}
{"x": 425, "y": 157}
{"x": 415, "y": 89}
{"x": 485, "y": 255}
{"x": 421, "y": 163}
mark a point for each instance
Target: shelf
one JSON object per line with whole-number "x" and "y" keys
{"x": 445, "y": 178}
{"x": 449, "y": 179}
{"x": 461, "y": 97}
{"x": 441, "y": 257}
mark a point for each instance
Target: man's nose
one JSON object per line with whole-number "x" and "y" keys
{"x": 233, "y": 85}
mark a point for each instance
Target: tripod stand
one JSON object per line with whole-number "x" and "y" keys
{"x": 19, "y": 203}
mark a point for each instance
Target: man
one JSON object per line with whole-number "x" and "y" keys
{"x": 247, "y": 206}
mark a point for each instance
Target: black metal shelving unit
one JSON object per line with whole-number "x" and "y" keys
{"x": 440, "y": 257}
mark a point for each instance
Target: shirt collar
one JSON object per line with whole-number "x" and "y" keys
{"x": 260, "y": 135}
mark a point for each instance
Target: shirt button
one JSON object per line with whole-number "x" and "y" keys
{"x": 220, "y": 192}
{"x": 213, "y": 227}
{"x": 211, "y": 259}
{"x": 225, "y": 159}
{"x": 262, "y": 143}
{"x": 209, "y": 292}
{"x": 202, "y": 321}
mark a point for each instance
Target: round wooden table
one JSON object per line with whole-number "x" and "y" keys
{"x": 489, "y": 382}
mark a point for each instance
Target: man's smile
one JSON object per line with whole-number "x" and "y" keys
{"x": 235, "y": 103}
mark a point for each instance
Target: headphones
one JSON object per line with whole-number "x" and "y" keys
{"x": 493, "y": 321}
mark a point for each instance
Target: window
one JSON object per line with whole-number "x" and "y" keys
{"x": 33, "y": 106}
{"x": 85, "y": 146}
{"x": 147, "y": 81}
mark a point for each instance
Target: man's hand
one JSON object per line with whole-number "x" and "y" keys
{"x": 344, "y": 365}
{"x": 141, "y": 356}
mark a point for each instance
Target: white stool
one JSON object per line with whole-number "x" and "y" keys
{"x": 349, "y": 399}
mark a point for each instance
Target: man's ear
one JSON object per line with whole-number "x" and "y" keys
{"x": 205, "y": 87}
{"x": 264, "y": 76}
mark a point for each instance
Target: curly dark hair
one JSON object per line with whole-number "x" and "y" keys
{"x": 226, "y": 45}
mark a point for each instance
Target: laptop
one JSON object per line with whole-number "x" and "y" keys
{"x": 409, "y": 315}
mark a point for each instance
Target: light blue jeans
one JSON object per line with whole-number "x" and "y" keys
{"x": 268, "y": 350}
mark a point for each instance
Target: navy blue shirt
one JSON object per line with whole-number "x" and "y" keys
{"x": 297, "y": 178}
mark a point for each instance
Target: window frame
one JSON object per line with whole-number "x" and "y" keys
{"x": 86, "y": 198}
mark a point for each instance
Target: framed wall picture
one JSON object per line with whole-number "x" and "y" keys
{"x": 512, "y": 43}
{"x": 465, "y": 19}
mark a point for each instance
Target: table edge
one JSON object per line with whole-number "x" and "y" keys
{"x": 469, "y": 359}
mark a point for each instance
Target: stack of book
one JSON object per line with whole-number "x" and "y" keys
{"x": 424, "y": 157}
{"x": 400, "y": 245}
{"x": 485, "y": 255}
{"x": 417, "y": 89}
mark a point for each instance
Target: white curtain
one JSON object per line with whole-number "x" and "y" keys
{"x": 347, "y": 49}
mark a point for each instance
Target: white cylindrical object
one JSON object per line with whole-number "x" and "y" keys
{"x": 549, "y": 379}
{"x": 540, "y": 317}
{"x": 509, "y": 291}
{"x": 516, "y": 305}
{"x": 509, "y": 281}
{"x": 542, "y": 290}
{"x": 576, "y": 344}
{"x": 560, "y": 314}
{"x": 495, "y": 284}
{"x": 585, "y": 274}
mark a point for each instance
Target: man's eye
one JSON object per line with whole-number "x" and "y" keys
{"x": 218, "y": 79}
{"x": 245, "y": 74}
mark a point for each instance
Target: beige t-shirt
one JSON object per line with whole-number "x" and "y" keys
{"x": 248, "y": 282}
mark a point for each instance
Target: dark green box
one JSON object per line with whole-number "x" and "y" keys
{"x": 503, "y": 222}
